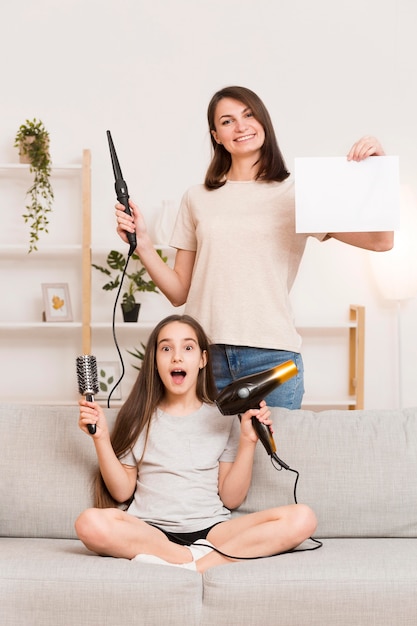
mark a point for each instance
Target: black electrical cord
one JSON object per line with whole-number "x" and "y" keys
{"x": 316, "y": 541}
{"x": 278, "y": 465}
{"x": 114, "y": 333}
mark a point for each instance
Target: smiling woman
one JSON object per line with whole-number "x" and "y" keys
{"x": 243, "y": 110}
{"x": 238, "y": 252}
{"x": 240, "y": 133}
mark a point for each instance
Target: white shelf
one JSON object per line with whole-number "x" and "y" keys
{"x": 102, "y": 250}
{"x": 124, "y": 325}
{"x": 59, "y": 167}
{"x": 43, "y": 251}
{"x": 325, "y": 327}
{"x": 43, "y": 402}
{"x": 39, "y": 325}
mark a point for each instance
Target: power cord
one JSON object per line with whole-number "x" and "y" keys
{"x": 278, "y": 465}
{"x": 114, "y": 333}
{"x": 318, "y": 543}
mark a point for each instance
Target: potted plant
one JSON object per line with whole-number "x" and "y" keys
{"x": 32, "y": 139}
{"x": 136, "y": 281}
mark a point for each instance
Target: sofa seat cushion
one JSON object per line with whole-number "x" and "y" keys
{"x": 47, "y": 466}
{"x": 360, "y": 582}
{"x": 57, "y": 582}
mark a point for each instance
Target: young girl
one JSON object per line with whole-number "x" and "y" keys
{"x": 178, "y": 466}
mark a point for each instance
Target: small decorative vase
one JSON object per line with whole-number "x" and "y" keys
{"x": 132, "y": 314}
{"x": 23, "y": 156}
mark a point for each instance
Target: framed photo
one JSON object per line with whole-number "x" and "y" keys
{"x": 56, "y": 300}
{"x": 108, "y": 374}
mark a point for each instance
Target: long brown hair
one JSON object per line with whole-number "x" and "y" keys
{"x": 145, "y": 396}
{"x": 271, "y": 164}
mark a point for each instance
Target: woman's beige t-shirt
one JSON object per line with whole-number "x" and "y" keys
{"x": 247, "y": 257}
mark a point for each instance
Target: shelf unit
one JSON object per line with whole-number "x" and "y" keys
{"x": 335, "y": 353}
{"x": 63, "y": 256}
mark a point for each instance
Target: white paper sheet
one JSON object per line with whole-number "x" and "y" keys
{"x": 335, "y": 195}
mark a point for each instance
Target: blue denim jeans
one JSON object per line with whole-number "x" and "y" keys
{"x": 232, "y": 362}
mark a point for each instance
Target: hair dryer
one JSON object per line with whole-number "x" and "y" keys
{"x": 247, "y": 392}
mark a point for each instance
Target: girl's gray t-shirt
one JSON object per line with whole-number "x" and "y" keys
{"x": 177, "y": 485}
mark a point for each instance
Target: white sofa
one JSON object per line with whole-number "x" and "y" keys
{"x": 358, "y": 471}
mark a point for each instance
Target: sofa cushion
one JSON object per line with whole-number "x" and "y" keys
{"x": 348, "y": 582}
{"x": 58, "y": 582}
{"x": 46, "y": 469}
{"x": 358, "y": 470}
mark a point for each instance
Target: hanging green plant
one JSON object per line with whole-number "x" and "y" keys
{"x": 32, "y": 139}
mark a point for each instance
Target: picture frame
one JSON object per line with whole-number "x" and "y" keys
{"x": 108, "y": 373}
{"x": 57, "y": 302}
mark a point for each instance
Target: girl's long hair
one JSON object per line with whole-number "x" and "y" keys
{"x": 271, "y": 164}
{"x": 145, "y": 396}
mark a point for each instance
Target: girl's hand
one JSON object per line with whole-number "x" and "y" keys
{"x": 92, "y": 413}
{"x": 263, "y": 414}
{"x": 365, "y": 147}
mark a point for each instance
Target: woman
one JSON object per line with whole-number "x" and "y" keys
{"x": 179, "y": 466}
{"x": 237, "y": 250}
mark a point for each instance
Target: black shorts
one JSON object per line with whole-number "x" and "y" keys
{"x": 186, "y": 539}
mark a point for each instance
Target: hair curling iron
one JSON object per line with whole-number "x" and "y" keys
{"x": 121, "y": 190}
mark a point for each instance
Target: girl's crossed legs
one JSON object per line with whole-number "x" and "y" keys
{"x": 112, "y": 532}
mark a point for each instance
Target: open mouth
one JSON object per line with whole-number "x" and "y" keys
{"x": 178, "y": 376}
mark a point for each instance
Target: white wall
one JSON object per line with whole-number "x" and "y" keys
{"x": 328, "y": 72}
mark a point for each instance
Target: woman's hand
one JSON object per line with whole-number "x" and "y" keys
{"x": 92, "y": 413}
{"x": 173, "y": 282}
{"x": 263, "y": 414}
{"x": 365, "y": 147}
{"x": 134, "y": 223}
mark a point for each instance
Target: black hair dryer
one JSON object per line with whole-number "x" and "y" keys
{"x": 247, "y": 392}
